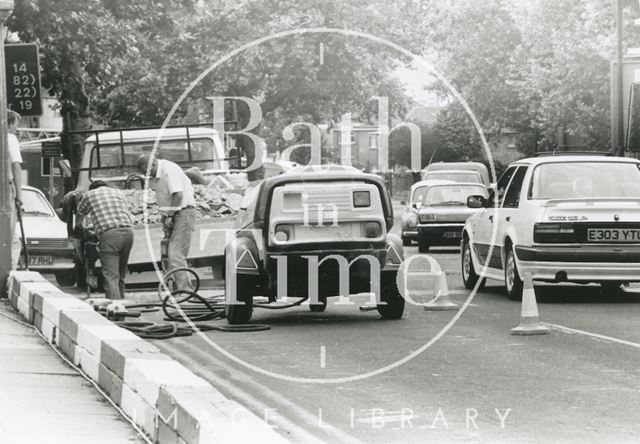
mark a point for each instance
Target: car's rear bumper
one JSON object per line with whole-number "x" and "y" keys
{"x": 440, "y": 233}
{"x": 410, "y": 233}
{"x": 580, "y": 263}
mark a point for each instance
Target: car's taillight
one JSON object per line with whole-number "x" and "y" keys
{"x": 283, "y": 232}
{"x": 553, "y": 233}
{"x": 361, "y": 199}
{"x": 427, "y": 217}
{"x": 372, "y": 229}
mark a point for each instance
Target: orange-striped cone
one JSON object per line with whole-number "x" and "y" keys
{"x": 441, "y": 302}
{"x": 529, "y": 318}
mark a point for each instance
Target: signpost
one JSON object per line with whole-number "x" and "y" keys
{"x": 23, "y": 79}
{"x": 51, "y": 150}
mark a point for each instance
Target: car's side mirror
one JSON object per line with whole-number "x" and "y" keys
{"x": 65, "y": 168}
{"x": 477, "y": 201}
{"x": 414, "y": 205}
{"x": 403, "y": 203}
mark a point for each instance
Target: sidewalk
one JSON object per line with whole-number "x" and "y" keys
{"x": 44, "y": 400}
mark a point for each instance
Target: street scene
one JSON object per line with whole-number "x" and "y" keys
{"x": 319, "y": 221}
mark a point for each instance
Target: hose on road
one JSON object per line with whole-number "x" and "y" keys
{"x": 180, "y": 305}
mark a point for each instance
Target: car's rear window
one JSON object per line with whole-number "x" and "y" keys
{"x": 571, "y": 180}
{"x": 456, "y": 177}
{"x": 111, "y": 163}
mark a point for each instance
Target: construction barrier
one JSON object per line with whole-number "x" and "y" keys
{"x": 169, "y": 402}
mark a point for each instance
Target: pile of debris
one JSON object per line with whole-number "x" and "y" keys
{"x": 211, "y": 202}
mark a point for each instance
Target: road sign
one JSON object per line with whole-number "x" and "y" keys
{"x": 51, "y": 150}
{"x": 23, "y": 79}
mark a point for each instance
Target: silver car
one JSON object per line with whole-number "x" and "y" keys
{"x": 443, "y": 213}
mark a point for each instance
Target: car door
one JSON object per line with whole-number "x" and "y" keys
{"x": 508, "y": 214}
{"x": 485, "y": 222}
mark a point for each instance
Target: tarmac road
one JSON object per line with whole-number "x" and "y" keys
{"x": 476, "y": 384}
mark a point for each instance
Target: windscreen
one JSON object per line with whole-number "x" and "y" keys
{"x": 471, "y": 177}
{"x": 418, "y": 194}
{"x": 34, "y": 204}
{"x": 452, "y": 194}
{"x": 575, "y": 180}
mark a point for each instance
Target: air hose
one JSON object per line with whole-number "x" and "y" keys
{"x": 180, "y": 305}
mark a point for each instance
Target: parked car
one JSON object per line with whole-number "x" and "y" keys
{"x": 288, "y": 222}
{"x": 48, "y": 245}
{"x": 409, "y": 218}
{"x": 443, "y": 213}
{"x": 560, "y": 218}
{"x": 458, "y": 168}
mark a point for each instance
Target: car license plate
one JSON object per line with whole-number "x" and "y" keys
{"x": 40, "y": 260}
{"x": 613, "y": 235}
{"x": 452, "y": 234}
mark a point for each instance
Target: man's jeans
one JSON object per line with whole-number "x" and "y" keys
{"x": 184, "y": 222}
{"x": 115, "y": 246}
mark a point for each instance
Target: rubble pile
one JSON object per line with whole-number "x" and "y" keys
{"x": 211, "y": 202}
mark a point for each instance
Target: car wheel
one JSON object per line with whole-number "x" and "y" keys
{"x": 66, "y": 278}
{"x": 406, "y": 242}
{"x": 423, "y": 247}
{"x": 610, "y": 289}
{"x": 389, "y": 294}
{"x": 240, "y": 313}
{"x": 512, "y": 281}
{"x": 469, "y": 276}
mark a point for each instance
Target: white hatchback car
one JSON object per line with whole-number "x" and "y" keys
{"x": 562, "y": 219}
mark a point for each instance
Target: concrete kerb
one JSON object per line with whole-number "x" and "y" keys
{"x": 168, "y": 401}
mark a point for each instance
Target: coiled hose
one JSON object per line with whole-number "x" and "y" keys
{"x": 180, "y": 305}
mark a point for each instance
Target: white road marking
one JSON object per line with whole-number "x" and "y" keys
{"x": 323, "y": 353}
{"x": 594, "y": 335}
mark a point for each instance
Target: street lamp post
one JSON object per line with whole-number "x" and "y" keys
{"x": 6, "y": 205}
{"x": 620, "y": 73}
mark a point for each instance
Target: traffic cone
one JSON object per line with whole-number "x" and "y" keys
{"x": 529, "y": 317}
{"x": 441, "y": 302}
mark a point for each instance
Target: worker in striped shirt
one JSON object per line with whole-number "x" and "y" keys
{"x": 112, "y": 221}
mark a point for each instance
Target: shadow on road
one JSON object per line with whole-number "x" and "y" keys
{"x": 569, "y": 294}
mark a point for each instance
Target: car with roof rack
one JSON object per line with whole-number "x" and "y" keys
{"x": 559, "y": 218}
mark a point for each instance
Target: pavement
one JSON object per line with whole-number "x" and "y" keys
{"x": 44, "y": 400}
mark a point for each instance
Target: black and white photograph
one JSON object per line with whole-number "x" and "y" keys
{"x": 319, "y": 221}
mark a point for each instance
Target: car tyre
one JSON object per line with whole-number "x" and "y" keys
{"x": 241, "y": 313}
{"x": 66, "y": 278}
{"x": 512, "y": 281}
{"x": 469, "y": 275}
{"x": 406, "y": 242}
{"x": 393, "y": 306}
{"x": 610, "y": 289}
{"x": 423, "y": 247}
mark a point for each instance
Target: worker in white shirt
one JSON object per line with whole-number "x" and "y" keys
{"x": 15, "y": 179}
{"x": 177, "y": 203}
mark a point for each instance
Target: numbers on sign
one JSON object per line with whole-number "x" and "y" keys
{"x": 26, "y": 105}
{"x": 20, "y": 67}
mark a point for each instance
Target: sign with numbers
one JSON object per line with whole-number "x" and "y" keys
{"x": 23, "y": 79}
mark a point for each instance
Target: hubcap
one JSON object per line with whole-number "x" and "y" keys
{"x": 466, "y": 262}
{"x": 511, "y": 270}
